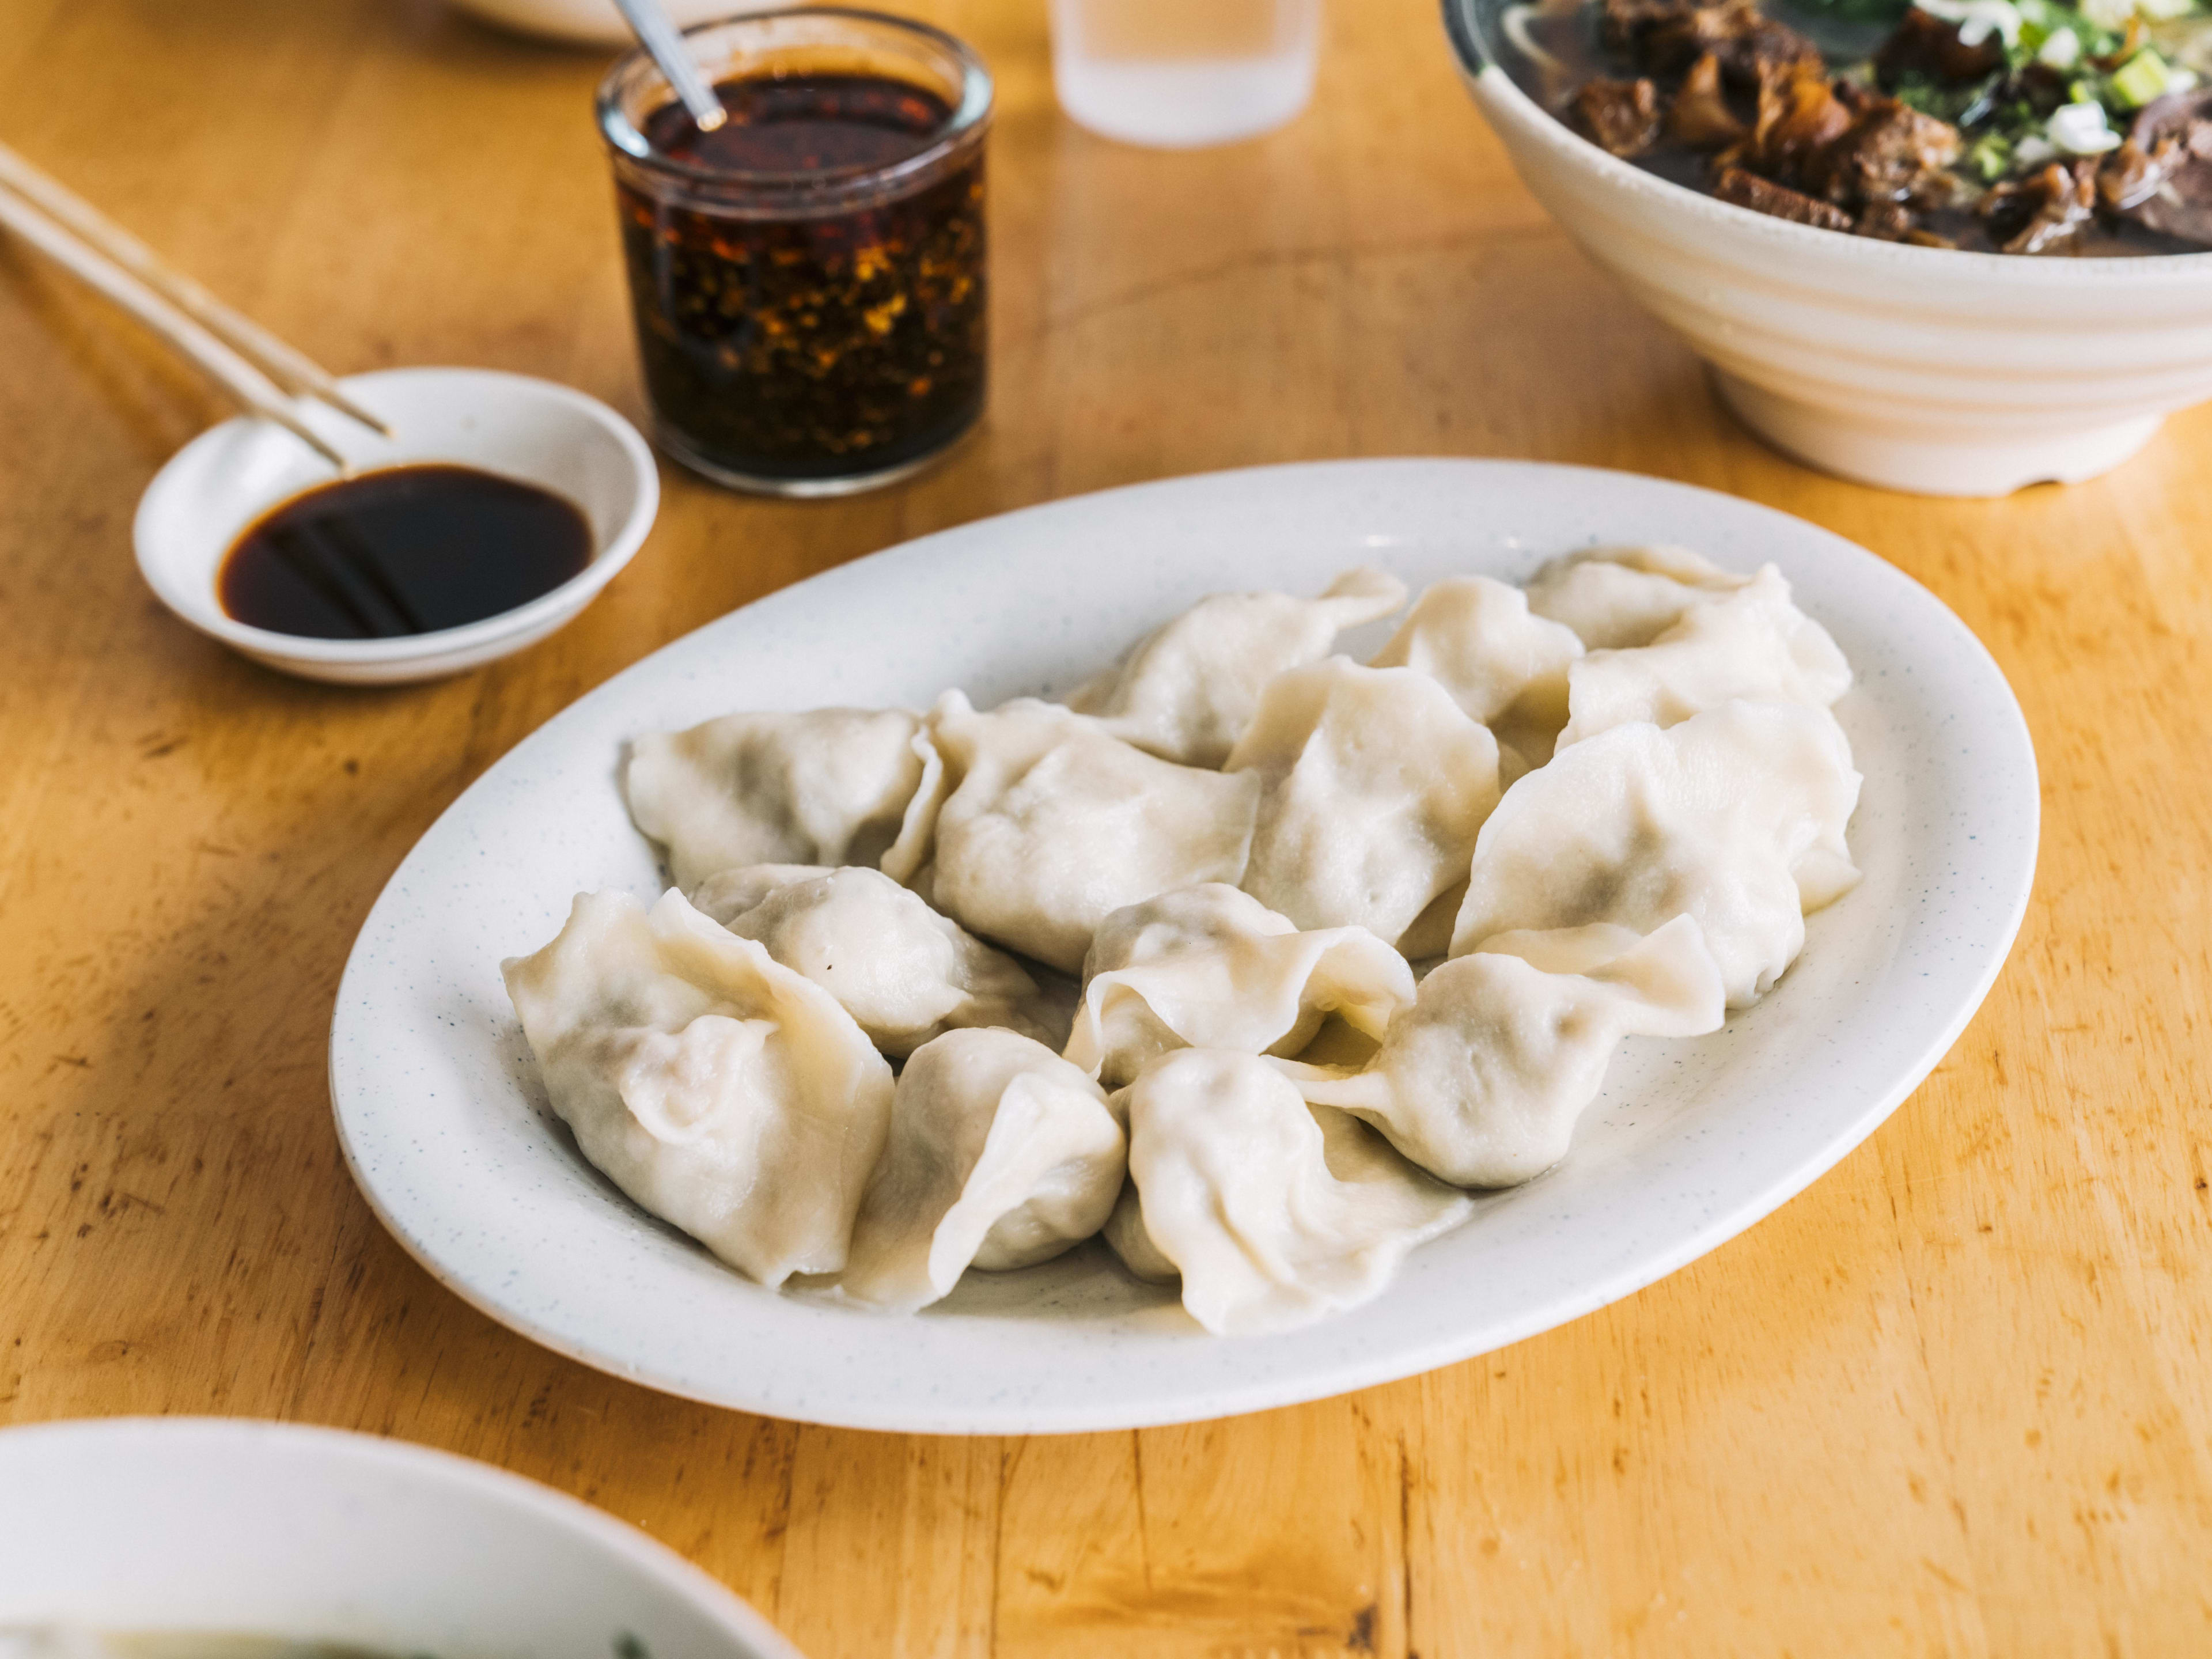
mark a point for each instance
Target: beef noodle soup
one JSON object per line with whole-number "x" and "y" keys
{"x": 2007, "y": 126}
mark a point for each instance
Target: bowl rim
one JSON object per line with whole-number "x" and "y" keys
{"x": 1497, "y": 91}
{"x": 613, "y": 552}
{"x": 238, "y": 1439}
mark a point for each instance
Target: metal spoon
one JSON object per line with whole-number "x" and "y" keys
{"x": 665, "y": 45}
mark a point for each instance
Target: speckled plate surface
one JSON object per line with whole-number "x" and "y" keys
{"x": 448, "y": 1133}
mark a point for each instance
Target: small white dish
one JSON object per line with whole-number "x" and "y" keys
{"x": 529, "y": 429}
{"x": 178, "y": 1525}
{"x": 446, "y": 1127}
{"x": 1915, "y": 368}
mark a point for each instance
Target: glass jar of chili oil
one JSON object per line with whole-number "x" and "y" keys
{"x": 808, "y": 280}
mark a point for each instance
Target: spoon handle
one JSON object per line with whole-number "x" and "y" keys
{"x": 662, "y": 42}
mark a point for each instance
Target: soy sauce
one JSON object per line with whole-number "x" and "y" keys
{"x": 409, "y": 549}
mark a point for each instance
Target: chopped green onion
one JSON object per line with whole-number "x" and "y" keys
{"x": 2142, "y": 79}
{"x": 2045, "y": 18}
{"x": 1991, "y": 157}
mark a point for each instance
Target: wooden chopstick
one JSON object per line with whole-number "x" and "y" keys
{"x": 248, "y": 385}
{"x": 290, "y": 368}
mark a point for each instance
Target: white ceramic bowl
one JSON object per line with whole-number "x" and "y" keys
{"x": 202, "y": 1524}
{"x": 1915, "y": 368}
{"x": 594, "y": 22}
{"x": 533, "y": 430}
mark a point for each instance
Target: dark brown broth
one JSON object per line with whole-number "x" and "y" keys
{"x": 409, "y": 549}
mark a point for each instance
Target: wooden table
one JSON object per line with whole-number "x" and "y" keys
{"x": 1956, "y": 1398}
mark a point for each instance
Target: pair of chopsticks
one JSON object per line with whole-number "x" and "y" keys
{"x": 253, "y": 366}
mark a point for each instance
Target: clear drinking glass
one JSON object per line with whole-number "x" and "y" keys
{"x": 809, "y": 280}
{"x": 1180, "y": 74}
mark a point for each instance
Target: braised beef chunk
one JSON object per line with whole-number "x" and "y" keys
{"x": 2045, "y": 213}
{"x": 1664, "y": 38}
{"x": 2131, "y": 175}
{"x": 1799, "y": 117}
{"x": 1931, "y": 46}
{"x": 1622, "y": 24}
{"x": 1764, "y": 195}
{"x": 1889, "y": 153}
{"x": 1885, "y": 222}
{"x": 1701, "y": 117}
{"x": 2179, "y": 203}
{"x": 1621, "y": 116}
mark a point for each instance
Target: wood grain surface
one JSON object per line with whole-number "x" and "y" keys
{"x": 1956, "y": 1398}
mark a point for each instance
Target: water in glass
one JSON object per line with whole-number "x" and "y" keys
{"x": 1183, "y": 73}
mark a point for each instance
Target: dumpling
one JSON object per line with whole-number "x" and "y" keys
{"x": 1505, "y": 666}
{"x": 1376, "y": 783}
{"x": 1736, "y": 817}
{"x": 1187, "y": 689}
{"x": 1273, "y": 1213}
{"x": 1754, "y": 643}
{"x": 728, "y": 893}
{"x": 1614, "y": 596}
{"x": 904, "y": 972}
{"x": 1211, "y": 966}
{"x": 725, "y": 1093}
{"x": 1053, "y": 824}
{"x": 1001, "y": 1155}
{"x": 1481, "y": 1081}
{"x": 830, "y": 786}
{"x": 1124, "y": 1232}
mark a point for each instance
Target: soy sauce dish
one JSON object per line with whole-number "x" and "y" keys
{"x": 557, "y": 488}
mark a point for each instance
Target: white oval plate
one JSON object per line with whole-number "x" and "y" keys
{"x": 448, "y": 1133}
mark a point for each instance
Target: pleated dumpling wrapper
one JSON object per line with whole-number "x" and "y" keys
{"x": 1211, "y": 966}
{"x": 1187, "y": 691}
{"x": 1754, "y": 643}
{"x": 1506, "y": 666}
{"x": 727, "y": 1095}
{"x": 1736, "y": 817}
{"x": 1375, "y": 784}
{"x": 904, "y": 972}
{"x": 1053, "y": 823}
{"x": 1274, "y": 1214}
{"x": 827, "y": 787}
{"x": 1001, "y": 1155}
{"x": 1482, "y": 1080}
{"x": 1614, "y": 596}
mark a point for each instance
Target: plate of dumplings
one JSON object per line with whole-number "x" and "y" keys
{"x": 1189, "y": 949}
